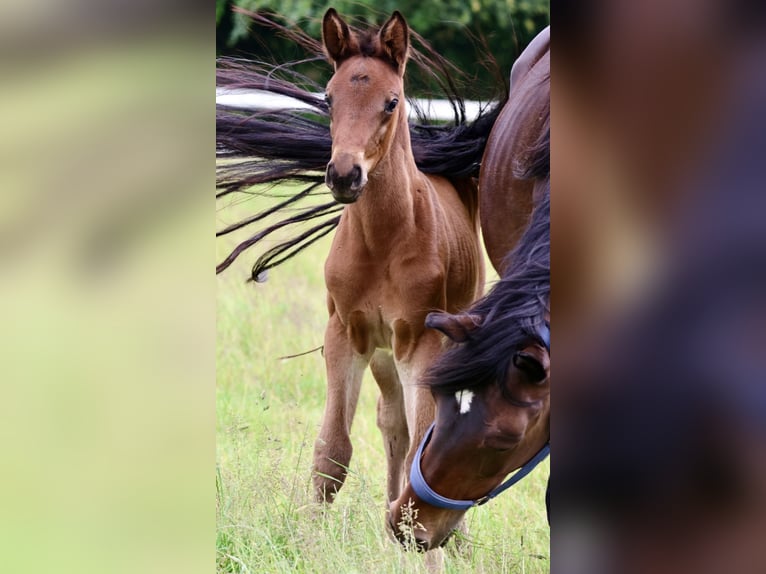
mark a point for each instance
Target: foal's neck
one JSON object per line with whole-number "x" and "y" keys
{"x": 387, "y": 203}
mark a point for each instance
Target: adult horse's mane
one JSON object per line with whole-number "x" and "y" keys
{"x": 511, "y": 313}
{"x": 266, "y": 148}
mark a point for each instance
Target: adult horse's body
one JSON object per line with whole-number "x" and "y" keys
{"x": 507, "y": 193}
{"x": 492, "y": 387}
{"x": 407, "y": 243}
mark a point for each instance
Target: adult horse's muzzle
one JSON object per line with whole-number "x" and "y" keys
{"x": 345, "y": 181}
{"x": 407, "y": 526}
{"x": 413, "y": 538}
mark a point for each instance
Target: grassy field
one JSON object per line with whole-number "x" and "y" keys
{"x": 268, "y": 414}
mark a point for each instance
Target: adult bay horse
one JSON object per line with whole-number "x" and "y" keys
{"x": 492, "y": 387}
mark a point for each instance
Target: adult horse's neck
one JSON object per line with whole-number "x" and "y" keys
{"x": 387, "y": 205}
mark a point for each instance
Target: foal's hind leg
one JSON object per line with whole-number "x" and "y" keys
{"x": 391, "y": 420}
{"x": 332, "y": 450}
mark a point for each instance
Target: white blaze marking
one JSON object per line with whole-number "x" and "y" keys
{"x": 464, "y": 399}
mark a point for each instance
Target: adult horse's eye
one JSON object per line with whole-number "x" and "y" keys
{"x": 391, "y": 106}
{"x": 530, "y": 366}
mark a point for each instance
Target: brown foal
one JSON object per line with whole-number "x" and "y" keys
{"x": 407, "y": 243}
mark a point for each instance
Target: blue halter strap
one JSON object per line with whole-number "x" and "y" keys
{"x": 545, "y": 335}
{"x": 430, "y": 496}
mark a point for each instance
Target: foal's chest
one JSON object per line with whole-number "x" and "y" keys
{"x": 376, "y": 303}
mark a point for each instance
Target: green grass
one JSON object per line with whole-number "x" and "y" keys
{"x": 268, "y": 415}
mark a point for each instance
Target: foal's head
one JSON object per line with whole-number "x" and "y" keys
{"x": 492, "y": 393}
{"x": 365, "y": 97}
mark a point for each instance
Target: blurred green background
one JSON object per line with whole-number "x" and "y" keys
{"x": 107, "y": 288}
{"x": 452, "y": 27}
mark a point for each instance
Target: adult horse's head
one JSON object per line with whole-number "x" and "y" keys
{"x": 365, "y": 97}
{"x": 492, "y": 392}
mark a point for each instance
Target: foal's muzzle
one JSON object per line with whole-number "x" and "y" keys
{"x": 346, "y": 187}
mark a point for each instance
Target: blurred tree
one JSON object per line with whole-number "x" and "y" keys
{"x": 452, "y": 27}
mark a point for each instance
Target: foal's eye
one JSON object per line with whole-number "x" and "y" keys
{"x": 391, "y": 106}
{"x": 328, "y": 101}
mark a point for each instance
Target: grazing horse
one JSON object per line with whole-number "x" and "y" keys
{"x": 492, "y": 386}
{"x": 406, "y": 244}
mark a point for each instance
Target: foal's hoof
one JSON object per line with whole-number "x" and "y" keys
{"x": 326, "y": 487}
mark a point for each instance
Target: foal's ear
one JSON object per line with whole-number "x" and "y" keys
{"x": 457, "y": 327}
{"x": 395, "y": 41}
{"x": 339, "y": 42}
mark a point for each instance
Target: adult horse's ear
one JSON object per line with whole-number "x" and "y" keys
{"x": 395, "y": 41}
{"x": 338, "y": 40}
{"x": 457, "y": 327}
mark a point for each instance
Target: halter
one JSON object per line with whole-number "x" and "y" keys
{"x": 545, "y": 335}
{"x": 429, "y": 496}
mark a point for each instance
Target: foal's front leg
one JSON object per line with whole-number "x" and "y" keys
{"x": 332, "y": 450}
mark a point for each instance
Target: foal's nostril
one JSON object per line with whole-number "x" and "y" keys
{"x": 330, "y": 175}
{"x": 345, "y": 179}
{"x": 356, "y": 177}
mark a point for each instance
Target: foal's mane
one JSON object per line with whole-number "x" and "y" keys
{"x": 267, "y": 148}
{"x": 512, "y": 313}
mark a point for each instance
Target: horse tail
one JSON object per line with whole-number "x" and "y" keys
{"x": 259, "y": 149}
{"x": 455, "y": 150}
